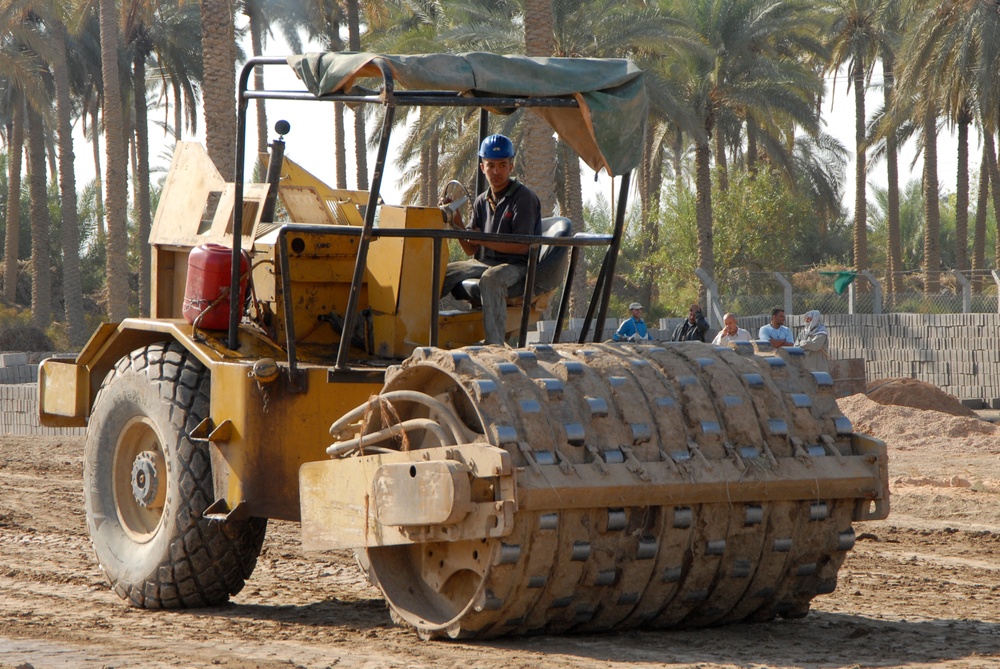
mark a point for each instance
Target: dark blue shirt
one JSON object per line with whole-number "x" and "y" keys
{"x": 516, "y": 212}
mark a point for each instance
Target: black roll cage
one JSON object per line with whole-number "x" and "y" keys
{"x": 389, "y": 98}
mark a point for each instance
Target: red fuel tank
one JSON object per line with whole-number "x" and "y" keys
{"x": 209, "y": 272}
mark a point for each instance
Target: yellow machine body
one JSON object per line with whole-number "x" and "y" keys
{"x": 261, "y": 434}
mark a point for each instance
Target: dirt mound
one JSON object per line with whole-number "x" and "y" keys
{"x": 905, "y": 428}
{"x": 917, "y": 395}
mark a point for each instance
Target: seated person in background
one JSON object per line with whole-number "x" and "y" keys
{"x": 507, "y": 207}
{"x": 634, "y": 328}
{"x": 693, "y": 328}
{"x": 775, "y": 332}
{"x": 730, "y": 331}
{"x": 815, "y": 341}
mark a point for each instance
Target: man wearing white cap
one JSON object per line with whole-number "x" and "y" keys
{"x": 634, "y": 328}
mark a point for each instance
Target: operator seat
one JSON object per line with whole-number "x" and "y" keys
{"x": 549, "y": 273}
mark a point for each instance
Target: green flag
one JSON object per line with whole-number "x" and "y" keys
{"x": 841, "y": 281}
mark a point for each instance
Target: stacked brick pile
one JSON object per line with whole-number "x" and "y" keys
{"x": 958, "y": 353}
{"x": 14, "y": 368}
{"x": 19, "y": 398}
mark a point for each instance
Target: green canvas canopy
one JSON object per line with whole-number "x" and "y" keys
{"x": 606, "y": 131}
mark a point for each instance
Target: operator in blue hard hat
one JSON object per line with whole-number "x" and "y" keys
{"x": 507, "y": 207}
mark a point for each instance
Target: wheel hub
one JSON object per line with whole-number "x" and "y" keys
{"x": 146, "y": 487}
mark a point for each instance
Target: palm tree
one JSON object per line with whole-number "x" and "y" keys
{"x": 36, "y": 133}
{"x": 15, "y": 150}
{"x": 940, "y": 74}
{"x": 894, "y": 18}
{"x": 41, "y": 284}
{"x": 262, "y": 18}
{"x": 116, "y": 166}
{"x": 322, "y": 21}
{"x": 86, "y": 79}
{"x": 611, "y": 29}
{"x": 21, "y": 83}
{"x": 932, "y": 210}
{"x": 218, "y": 48}
{"x": 146, "y": 25}
{"x": 979, "y": 228}
{"x": 538, "y": 150}
{"x": 175, "y": 70}
{"x": 353, "y": 12}
{"x": 72, "y": 286}
{"x": 989, "y": 148}
{"x": 137, "y": 34}
{"x": 858, "y": 39}
{"x": 734, "y": 61}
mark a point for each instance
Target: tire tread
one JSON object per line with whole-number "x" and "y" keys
{"x": 206, "y": 561}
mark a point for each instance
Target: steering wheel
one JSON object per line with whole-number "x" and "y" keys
{"x": 450, "y": 204}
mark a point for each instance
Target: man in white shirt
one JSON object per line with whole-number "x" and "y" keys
{"x": 730, "y": 332}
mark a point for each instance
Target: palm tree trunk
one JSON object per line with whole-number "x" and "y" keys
{"x": 751, "y": 148}
{"x": 721, "y": 164}
{"x": 95, "y": 142}
{"x": 15, "y": 150}
{"x": 340, "y": 139}
{"x": 979, "y": 235}
{"x": 360, "y": 139}
{"x": 426, "y": 196}
{"x": 72, "y": 286}
{"x": 932, "y": 213}
{"x": 219, "y": 89}
{"x": 894, "y": 253}
{"x": 573, "y": 196}
{"x": 433, "y": 169}
{"x": 678, "y": 159}
{"x": 703, "y": 211}
{"x": 650, "y": 182}
{"x": 251, "y": 9}
{"x": 341, "y": 147}
{"x": 538, "y": 148}
{"x": 860, "y": 193}
{"x": 142, "y": 178}
{"x": 116, "y": 164}
{"x": 41, "y": 261}
{"x": 989, "y": 146}
{"x": 178, "y": 113}
{"x": 962, "y": 193}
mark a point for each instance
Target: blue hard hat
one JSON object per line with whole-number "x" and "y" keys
{"x": 496, "y": 147}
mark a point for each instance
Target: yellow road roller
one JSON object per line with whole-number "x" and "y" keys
{"x": 298, "y": 365}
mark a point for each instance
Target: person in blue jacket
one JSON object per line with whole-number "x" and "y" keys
{"x": 634, "y": 328}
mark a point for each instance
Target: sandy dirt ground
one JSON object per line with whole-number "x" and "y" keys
{"x": 919, "y": 590}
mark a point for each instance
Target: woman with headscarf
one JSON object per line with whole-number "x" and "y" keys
{"x": 815, "y": 341}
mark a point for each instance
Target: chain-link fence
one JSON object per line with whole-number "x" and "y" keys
{"x": 745, "y": 292}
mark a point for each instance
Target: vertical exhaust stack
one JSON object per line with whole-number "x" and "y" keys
{"x": 274, "y": 166}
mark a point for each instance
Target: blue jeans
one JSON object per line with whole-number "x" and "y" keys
{"x": 494, "y": 282}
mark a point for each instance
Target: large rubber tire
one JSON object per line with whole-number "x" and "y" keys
{"x": 147, "y": 485}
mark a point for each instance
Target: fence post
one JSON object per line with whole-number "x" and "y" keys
{"x": 788, "y": 291}
{"x": 966, "y": 291}
{"x": 876, "y": 292}
{"x": 996, "y": 280}
{"x": 714, "y": 306}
